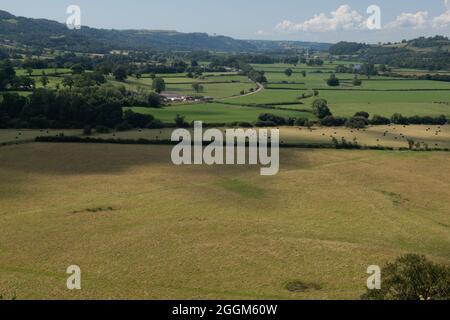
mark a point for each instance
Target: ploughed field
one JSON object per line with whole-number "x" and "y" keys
{"x": 140, "y": 227}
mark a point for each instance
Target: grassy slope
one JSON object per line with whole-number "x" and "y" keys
{"x": 212, "y": 232}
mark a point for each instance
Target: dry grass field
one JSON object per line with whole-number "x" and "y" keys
{"x": 139, "y": 227}
{"x": 395, "y": 136}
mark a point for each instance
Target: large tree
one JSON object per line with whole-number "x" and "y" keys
{"x": 159, "y": 85}
{"x": 120, "y": 73}
{"x": 333, "y": 81}
{"x": 197, "y": 87}
{"x": 320, "y": 108}
{"x": 288, "y": 72}
{"x": 412, "y": 277}
{"x": 7, "y": 73}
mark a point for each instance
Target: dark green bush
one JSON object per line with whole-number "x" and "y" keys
{"x": 412, "y": 277}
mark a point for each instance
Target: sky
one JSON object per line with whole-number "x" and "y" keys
{"x": 319, "y": 20}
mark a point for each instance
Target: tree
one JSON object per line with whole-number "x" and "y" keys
{"x": 180, "y": 122}
{"x": 120, "y": 73}
{"x": 197, "y": 87}
{"x": 137, "y": 120}
{"x": 333, "y": 81}
{"x": 301, "y": 122}
{"x": 412, "y": 277}
{"x": 83, "y": 80}
{"x": 356, "y": 81}
{"x": 109, "y": 114}
{"x": 380, "y": 120}
{"x": 397, "y": 118}
{"x": 7, "y": 73}
{"x": 154, "y": 100}
{"x": 44, "y": 80}
{"x": 12, "y": 104}
{"x": 104, "y": 68}
{"x": 320, "y": 108}
{"x": 330, "y": 121}
{"x": 363, "y": 114}
{"x": 369, "y": 70}
{"x": 411, "y": 144}
{"x": 29, "y": 71}
{"x": 357, "y": 122}
{"x": 23, "y": 83}
{"x": 288, "y": 72}
{"x": 159, "y": 85}
{"x": 77, "y": 69}
{"x": 87, "y": 131}
{"x": 304, "y": 74}
{"x": 269, "y": 117}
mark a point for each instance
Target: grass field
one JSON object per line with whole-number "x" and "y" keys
{"x": 377, "y": 95}
{"x": 48, "y": 72}
{"x": 387, "y": 136}
{"x": 140, "y": 227}
{"x": 216, "y": 113}
{"x": 22, "y": 135}
{"x": 389, "y": 95}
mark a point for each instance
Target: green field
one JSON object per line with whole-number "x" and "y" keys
{"x": 48, "y": 71}
{"x": 377, "y": 95}
{"x": 140, "y": 227}
{"x": 216, "y": 113}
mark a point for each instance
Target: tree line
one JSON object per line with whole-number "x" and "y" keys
{"x": 361, "y": 119}
{"x": 71, "y": 108}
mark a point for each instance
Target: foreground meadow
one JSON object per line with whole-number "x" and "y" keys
{"x": 139, "y": 227}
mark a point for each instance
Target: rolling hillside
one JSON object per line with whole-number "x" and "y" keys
{"x": 423, "y": 53}
{"x": 51, "y": 34}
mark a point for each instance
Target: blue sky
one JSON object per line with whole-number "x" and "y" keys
{"x": 320, "y": 20}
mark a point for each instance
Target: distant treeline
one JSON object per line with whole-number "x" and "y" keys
{"x": 404, "y": 55}
{"x": 72, "y": 108}
{"x": 359, "y": 120}
{"x": 237, "y": 62}
{"x": 435, "y": 77}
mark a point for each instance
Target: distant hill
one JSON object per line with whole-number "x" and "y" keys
{"x": 431, "y": 53}
{"x": 44, "y": 33}
{"x": 347, "y": 48}
{"x": 283, "y": 45}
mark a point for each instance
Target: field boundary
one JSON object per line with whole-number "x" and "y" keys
{"x": 89, "y": 140}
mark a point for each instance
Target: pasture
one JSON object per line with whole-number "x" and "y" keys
{"x": 387, "y": 136}
{"x": 27, "y": 135}
{"x": 140, "y": 227}
{"x": 394, "y": 136}
{"x": 377, "y": 95}
{"x": 215, "y": 113}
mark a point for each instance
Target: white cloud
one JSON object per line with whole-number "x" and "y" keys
{"x": 442, "y": 21}
{"x": 418, "y": 20}
{"x": 344, "y": 18}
